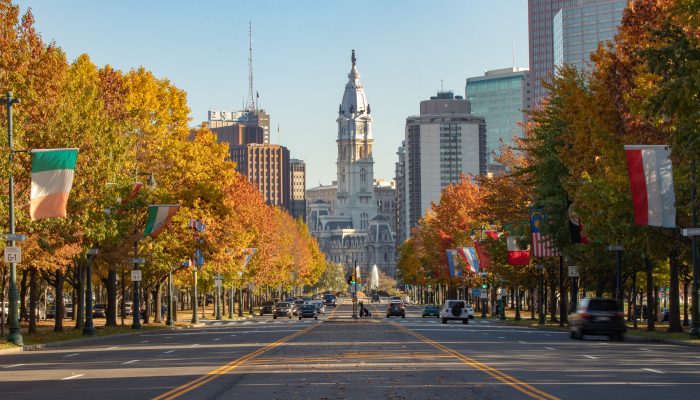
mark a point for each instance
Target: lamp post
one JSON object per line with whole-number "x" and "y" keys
{"x": 694, "y": 332}
{"x": 89, "y": 328}
{"x": 136, "y": 279}
{"x": 354, "y": 290}
{"x": 15, "y": 336}
{"x": 517, "y": 303}
{"x": 169, "y": 321}
{"x": 231, "y": 294}
{"x": 540, "y": 304}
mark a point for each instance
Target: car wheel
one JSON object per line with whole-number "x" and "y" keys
{"x": 388, "y": 315}
{"x": 572, "y": 334}
{"x": 403, "y": 315}
{"x": 444, "y": 320}
{"x": 274, "y": 317}
{"x": 315, "y": 317}
{"x": 299, "y": 318}
{"x": 465, "y": 321}
{"x": 424, "y": 316}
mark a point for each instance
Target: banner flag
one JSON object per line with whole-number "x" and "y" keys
{"x": 575, "y": 227}
{"x": 516, "y": 255}
{"x": 455, "y": 269}
{"x": 52, "y": 180}
{"x": 541, "y": 244}
{"x": 158, "y": 218}
{"x": 651, "y": 182}
{"x": 470, "y": 258}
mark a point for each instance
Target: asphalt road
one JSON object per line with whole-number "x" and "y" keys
{"x": 337, "y": 357}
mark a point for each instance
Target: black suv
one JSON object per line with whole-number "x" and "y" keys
{"x": 598, "y": 317}
{"x": 396, "y": 308}
{"x": 267, "y": 307}
{"x": 329, "y": 299}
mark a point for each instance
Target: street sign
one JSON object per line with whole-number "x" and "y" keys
{"x": 573, "y": 271}
{"x": 504, "y": 292}
{"x": 136, "y": 275}
{"x": 218, "y": 277}
{"x": 484, "y": 295}
{"x": 469, "y": 291}
{"x": 13, "y": 254}
{"x": 686, "y": 232}
{"x": 217, "y": 283}
{"x": 615, "y": 247}
{"x": 138, "y": 260}
{"x": 476, "y": 292}
{"x": 429, "y": 290}
{"x": 17, "y": 237}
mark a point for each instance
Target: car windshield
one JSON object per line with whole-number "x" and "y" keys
{"x": 430, "y": 307}
{"x": 329, "y": 297}
{"x": 282, "y": 305}
{"x": 308, "y": 307}
{"x": 602, "y": 305}
{"x": 268, "y": 303}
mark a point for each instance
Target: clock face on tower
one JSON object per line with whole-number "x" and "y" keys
{"x": 359, "y": 130}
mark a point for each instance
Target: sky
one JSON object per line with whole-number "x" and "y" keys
{"x": 407, "y": 50}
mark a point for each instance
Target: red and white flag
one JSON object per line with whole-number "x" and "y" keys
{"x": 651, "y": 181}
{"x": 542, "y": 245}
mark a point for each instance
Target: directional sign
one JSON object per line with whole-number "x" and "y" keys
{"x": 17, "y": 237}
{"x": 217, "y": 282}
{"x": 504, "y": 292}
{"x": 138, "y": 260}
{"x": 13, "y": 254}
{"x": 476, "y": 292}
{"x": 484, "y": 295}
{"x": 686, "y": 232}
{"x": 136, "y": 275}
{"x": 615, "y": 247}
{"x": 573, "y": 271}
{"x": 218, "y": 277}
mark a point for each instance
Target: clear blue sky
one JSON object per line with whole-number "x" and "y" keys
{"x": 301, "y": 56}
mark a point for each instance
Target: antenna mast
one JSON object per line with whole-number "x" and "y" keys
{"x": 250, "y": 106}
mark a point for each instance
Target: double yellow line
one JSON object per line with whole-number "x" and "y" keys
{"x": 515, "y": 383}
{"x": 210, "y": 376}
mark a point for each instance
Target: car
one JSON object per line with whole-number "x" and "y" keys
{"x": 455, "y": 310}
{"x": 284, "y": 309}
{"x": 99, "y": 311}
{"x": 396, "y": 308}
{"x": 665, "y": 315}
{"x": 297, "y": 304}
{"x": 595, "y": 316}
{"x": 267, "y": 307}
{"x": 329, "y": 299}
{"x": 375, "y": 298}
{"x": 470, "y": 311}
{"x": 308, "y": 310}
{"x": 320, "y": 307}
{"x": 431, "y": 310}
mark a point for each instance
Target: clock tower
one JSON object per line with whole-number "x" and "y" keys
{"x": 355, "y": 173}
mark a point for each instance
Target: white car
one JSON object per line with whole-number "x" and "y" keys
{"x": 456, "y": 310}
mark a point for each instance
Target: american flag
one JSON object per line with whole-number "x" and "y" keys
{"x": 541, "y": 244}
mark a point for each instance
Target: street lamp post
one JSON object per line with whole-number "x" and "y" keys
{"x": 694, "y": 331}
{"x": 618, "y": 275}
{"x": 136, "y": 278}
{"x": 231, "y": 293}
{"x": 15, "y": 336}
{"x": 354, "y": 290}
{"x": 517, "y": 303}
{"x": 170, "y": 321}
{"x": 89, "y": 328}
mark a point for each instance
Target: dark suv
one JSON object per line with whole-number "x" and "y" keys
{"x": 267, "y": 307}
{"x": 598, "y": 317}
{"x": 396, "y": 308}
{"x": 329, "y": 299}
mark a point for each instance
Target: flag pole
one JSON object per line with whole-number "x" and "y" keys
{"x": 15, "y": 336}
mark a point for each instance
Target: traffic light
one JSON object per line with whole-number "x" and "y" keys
{"x": 484, "y": 286}
{"x": 428, "y": 286}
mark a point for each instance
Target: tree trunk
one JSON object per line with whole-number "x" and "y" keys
{"x": 651, "y": 304}
{"x": 674, "y": 315}
{"x": 147, "y": 311}
{"x": 79, "y": 287}
{"x": 33, "y": 299}
{"x": 532, "y": 303}
{"x": 111, "y": 285}
{"x": 685, "y": 302}
{"x": 23, "y": 286}
{"x": 157, "y": 297}
{"x": 60, "y": 306}
{"x": 553, "y": 284}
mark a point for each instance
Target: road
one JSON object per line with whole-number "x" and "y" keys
{"x": 337, "y": 357}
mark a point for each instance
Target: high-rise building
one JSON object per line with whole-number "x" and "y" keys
{"x": 441, "y": 143}
{"x": 400, "y": 179}
{"x": 578, "y": 28}
{"x": 356, "y": 232}
{"x": 567, "y": 31}
{"x": 267, "y": 167}
{"x": 297, "y": 170}
{"x": 540, "y": 15}
{"x": 240, "y": 127}
{"x": 500, "y": 96}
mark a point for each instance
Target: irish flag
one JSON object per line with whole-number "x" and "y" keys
{"x": 52, "y": 179}
{"x": 158, "y": 218}
{"x": 651, "y": 181}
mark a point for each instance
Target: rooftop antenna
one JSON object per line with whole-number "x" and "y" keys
{"x": 250, "y": 104}
{"x": 279, "y": 138}
{"x": 442, "y": 89}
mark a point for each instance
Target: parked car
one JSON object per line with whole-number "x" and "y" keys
{"x": 329, "y": 299}
{"x": 283, "y": 309}
{"x": 431, "y": 310}
{"x": 665, "y": 315}
{"x": 267, "y": 307}
{"x": 308, "y": 310}
{"x": 597, "y": 317}
{"x": 455, "y": 310}
{"x": 99, "y": 311}
{"x": 470, "y": 311}
{"x": 396, "y": 308}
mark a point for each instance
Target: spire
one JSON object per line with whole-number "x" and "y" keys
{"x": 250, "y": 104}
{"x": 354, "y": 75}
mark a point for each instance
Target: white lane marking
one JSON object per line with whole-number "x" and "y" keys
{"x": 233, "y": 335}
{"x": 111, "y": 348}
{"x": 591, "y": 357}
{"x": 169, "y": 351}
{"x": 605, "y": 343}
{"x": 144, "y": 341}
{"x": 501, "y": 337}
{"x": 196, "y": 344}
{"x": 168, "y": 337}
{"x": 71, "y": 355}
{"x": 217, "y": 339}
{"x": 547, "y": 334}
{"x": 643, "y": 349}
{"x": 72, "y": 377}
{"x": 656, "y": 371}
{"x": 129, "y": 362}
{"x": 521, "y": 342}
{"x": 12, "y": 366}
{"x": 549, "y": 348}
